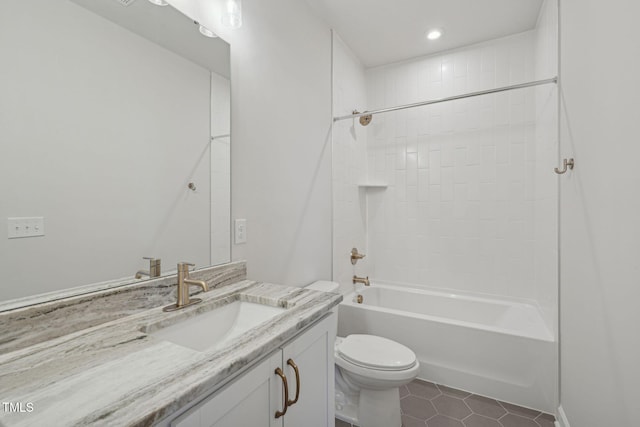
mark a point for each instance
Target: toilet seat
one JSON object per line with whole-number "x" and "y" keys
{"x": 375, "y": 353}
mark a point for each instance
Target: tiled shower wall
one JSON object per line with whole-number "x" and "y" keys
{"x": 459, "y": 209}
{"x": 471, "y": 197}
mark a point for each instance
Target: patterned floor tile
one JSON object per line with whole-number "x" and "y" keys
{"x": 417, "y": 407}
{"x": 476, "y": 420}
{"x": 423, "y": 389}
{"x": 545, "y": 420}
{"x": 404, "y": 391}
{"x": 408, "y": 421}
{"x": 451, "y": 407}
{"x": 453, "y": 391}
{"x": 512, "y": 420}
{"x": 426, "y": 404}
{"x": 443, "y": 421}
{"x": 519, "y": 410}
{"x": 485, "y": 406}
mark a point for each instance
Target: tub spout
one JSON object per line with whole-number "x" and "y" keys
{"x": 363, "y": 280}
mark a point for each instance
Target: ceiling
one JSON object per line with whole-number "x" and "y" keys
{"x": 385, "y": 31}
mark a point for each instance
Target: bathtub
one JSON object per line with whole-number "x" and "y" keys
{"x": 496, "y": 348}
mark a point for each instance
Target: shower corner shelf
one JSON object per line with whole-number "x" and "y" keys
{"x": 372, "y": 185}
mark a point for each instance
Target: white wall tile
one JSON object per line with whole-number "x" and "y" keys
{"x": 462, "y": 209}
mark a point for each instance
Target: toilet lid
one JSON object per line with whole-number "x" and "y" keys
{"x": 376, "y": 352}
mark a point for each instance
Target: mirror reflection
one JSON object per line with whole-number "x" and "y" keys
{"x": 115, "y": 130}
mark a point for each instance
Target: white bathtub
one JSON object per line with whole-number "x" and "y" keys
{"x": 491, "y": 347}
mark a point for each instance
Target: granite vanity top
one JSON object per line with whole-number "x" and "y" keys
{"x": 114, "y": 374}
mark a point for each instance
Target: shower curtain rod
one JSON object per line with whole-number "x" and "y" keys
{"x": 450, "y": 98}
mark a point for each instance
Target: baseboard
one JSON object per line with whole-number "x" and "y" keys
{"x": 562, "y": 420}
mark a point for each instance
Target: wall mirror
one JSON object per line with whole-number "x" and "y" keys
{"x": 114, "y": 144}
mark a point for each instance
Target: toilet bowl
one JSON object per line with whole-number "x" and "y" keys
{"x": 369, "y": 372}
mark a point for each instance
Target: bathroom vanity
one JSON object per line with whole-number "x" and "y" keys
{"x": 256, "y": 398}
{"x": 123, "y": 371}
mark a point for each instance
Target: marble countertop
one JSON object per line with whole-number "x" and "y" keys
{"x": 115, "y": 374}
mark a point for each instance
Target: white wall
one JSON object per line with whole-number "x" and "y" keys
{"x": 281, "y": 143}
{"x": 100, "y": 130}
{"x": 349, "y": 166}
{"x": 600, "y": 212}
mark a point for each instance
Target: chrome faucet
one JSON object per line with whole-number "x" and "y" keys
{"x": 184, "y": 298}
{"x": 154, "y": 269}
{"x": 363, "y": 280}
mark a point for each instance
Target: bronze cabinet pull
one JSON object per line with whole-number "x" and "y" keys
{"x": 291, "y": 363}
{"x": 286, "y": 393}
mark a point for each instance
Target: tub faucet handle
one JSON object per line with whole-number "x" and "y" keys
{"x": 355, "y": 256}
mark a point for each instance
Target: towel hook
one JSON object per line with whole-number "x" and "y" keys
{"x": 566, "y": 164}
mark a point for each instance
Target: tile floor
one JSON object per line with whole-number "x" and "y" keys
{"x": 431, "y": 405}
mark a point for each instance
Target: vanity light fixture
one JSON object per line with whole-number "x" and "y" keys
{"x": 232, "y": 16}
{"x": 434, "y": 34}
{"x": 159, "y": 2}
{"x": 205, "y": 31}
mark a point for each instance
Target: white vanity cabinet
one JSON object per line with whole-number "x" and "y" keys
{"x": 253, "y": 399}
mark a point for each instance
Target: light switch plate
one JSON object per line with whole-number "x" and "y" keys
{"x": 18, "y": 228}
{"x": 240, "y": 231}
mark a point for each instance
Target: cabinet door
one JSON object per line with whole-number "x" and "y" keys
{"x": 250, "y": 401}
{"x": 312, "y": 353}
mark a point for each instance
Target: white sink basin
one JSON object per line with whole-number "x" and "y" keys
{"x": 214, "y": 329}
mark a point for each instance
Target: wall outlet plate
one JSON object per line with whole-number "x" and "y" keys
{"x": 240, "y": 231}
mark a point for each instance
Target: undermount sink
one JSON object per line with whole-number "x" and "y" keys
{"x": 216, "y": 328}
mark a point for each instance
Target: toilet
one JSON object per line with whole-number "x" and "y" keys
{"x": 369, "y": 372}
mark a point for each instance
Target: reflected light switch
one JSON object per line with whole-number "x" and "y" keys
{"x": 18, "y": 228}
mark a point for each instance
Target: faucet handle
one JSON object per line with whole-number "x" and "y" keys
{"x": 355, "y": 256}
{"x": 154, "y": 266}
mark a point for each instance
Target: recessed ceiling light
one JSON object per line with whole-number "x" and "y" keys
{"x": 159, "y": 2}
{"x": 434, "y": 34}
